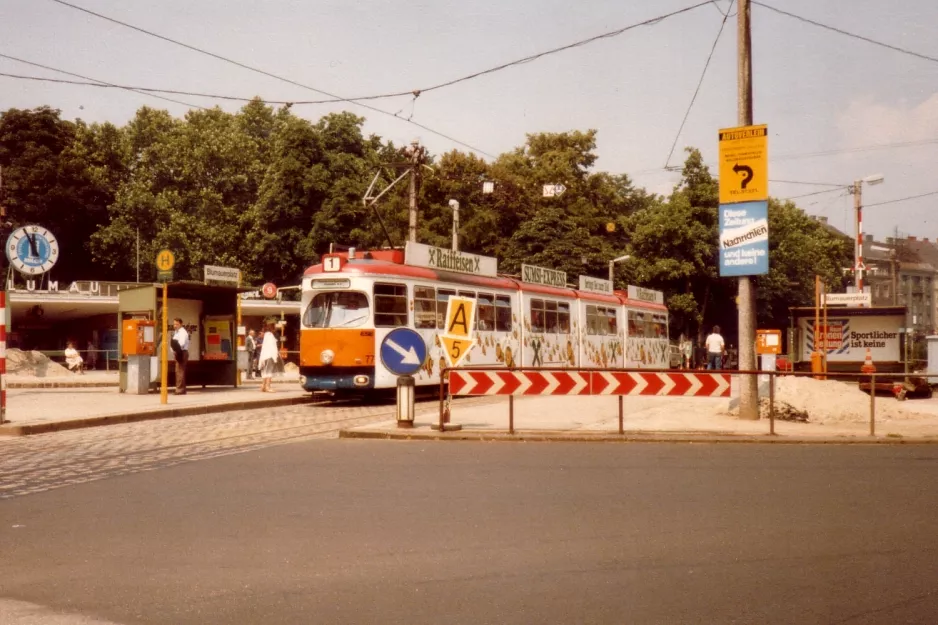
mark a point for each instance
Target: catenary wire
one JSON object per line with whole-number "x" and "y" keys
{"x": 271, "y": 75}
{"x": 416, "y": 92}
{"x": 699, "y": 83}
{"x": 100, "y": 83}
{"x": 901, "y": 199}
{"x": 847, "y": 33}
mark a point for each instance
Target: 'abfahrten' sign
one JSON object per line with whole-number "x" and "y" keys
{"x": 744, "y": 239}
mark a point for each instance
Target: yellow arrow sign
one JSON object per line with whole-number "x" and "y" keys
{"x": 165, "y": 260}
{"x": 744, "y": 164}
{"x": 456, "y": 348}
{"x": 460, "y": 317}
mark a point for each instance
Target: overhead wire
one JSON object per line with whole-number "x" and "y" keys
{"x": 99, "y": 83}
{"x": 699, "y": 82}
{"x": 901, "y": 199}
{"x": 847, "y": 33}
{"x": 415, "y": 93}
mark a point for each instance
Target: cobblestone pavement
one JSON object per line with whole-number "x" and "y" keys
{"x": 33, "y": 464}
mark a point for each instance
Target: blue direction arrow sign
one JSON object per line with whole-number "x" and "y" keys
{"x": 403, "y": 351}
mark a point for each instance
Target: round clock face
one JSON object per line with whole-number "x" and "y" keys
{"x": 32, "y": 250}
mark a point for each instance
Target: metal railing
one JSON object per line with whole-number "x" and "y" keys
{"x": 884, "y": 383}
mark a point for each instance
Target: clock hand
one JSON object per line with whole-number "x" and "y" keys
{"x": 32, "y": 244}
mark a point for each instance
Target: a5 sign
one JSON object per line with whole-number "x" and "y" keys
{"x": 32, "y": 250}
{"x": 457, "y": 340}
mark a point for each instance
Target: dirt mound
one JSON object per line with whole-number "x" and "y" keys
{"x": 33, "y": 363}
{"x": 801, "y": 398}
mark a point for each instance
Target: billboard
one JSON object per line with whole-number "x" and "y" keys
{"x": 744, "y": 239}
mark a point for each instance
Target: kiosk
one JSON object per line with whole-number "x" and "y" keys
{"x": 209, "y": 313}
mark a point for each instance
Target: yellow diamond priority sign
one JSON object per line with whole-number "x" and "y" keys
{"x": 744, "y": 164}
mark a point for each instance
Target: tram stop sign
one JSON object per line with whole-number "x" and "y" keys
{"x": 403, "y": 351}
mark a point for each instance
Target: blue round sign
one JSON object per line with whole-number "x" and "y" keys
{"x": 403, "y": 351}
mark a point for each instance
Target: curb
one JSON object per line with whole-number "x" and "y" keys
{"x": 628, "y": 437}
{"x": 163, "y": 413}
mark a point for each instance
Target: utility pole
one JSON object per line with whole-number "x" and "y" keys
{"x": 858, "y": 252}
{"x": 3, "y": 318}
{"x": 416, "y": 153}
{"x": 749, "y": 394}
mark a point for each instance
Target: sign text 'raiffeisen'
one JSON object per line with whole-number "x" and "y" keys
{"x": 443, "y": 259}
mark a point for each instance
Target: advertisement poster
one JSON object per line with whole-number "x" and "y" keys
{"x": 744, "y": 239}
{"x": 847, "y": 338}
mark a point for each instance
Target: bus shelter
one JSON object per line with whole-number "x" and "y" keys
{"x": 208, "y": 312}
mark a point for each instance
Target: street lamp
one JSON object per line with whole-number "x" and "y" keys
{"x": 612, "y": 264}
{"x": 454, "y": 204}
{"x": 858, "y": 208}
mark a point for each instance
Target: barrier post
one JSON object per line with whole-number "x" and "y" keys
{"x": 164, "y": 352}
{"x": 511, "y": 414}
{"x": 405, "y": 401}
{"x": 872, "y": 404}
{"x": 772, "y": 403}
{"x": 621, "y": 416}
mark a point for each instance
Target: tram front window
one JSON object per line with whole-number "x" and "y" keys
{"x": 343, "y": 309}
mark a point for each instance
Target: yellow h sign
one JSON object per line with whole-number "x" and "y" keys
{"x": 165, "y": 260}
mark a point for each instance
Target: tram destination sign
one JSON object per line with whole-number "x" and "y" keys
{"x": 442, "y": 259}
{"x": 595, "y": 285}
{"x": 544, "y": 276}
{"x": 645, "y": 295}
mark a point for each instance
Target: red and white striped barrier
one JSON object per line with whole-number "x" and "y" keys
{"x": 468, "y": 382}
{"x": 481, "y": 382}
{"x": 683, "y": 384}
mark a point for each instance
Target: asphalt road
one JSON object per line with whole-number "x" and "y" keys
{"x": 356, "y": 531}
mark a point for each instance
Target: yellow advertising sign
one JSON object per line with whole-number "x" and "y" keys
{"x": 456, "y": 348}
{"x": 744, "y": 164}
{"x": 460, "y": 317}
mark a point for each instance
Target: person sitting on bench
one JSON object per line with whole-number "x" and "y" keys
{"x": 73, "y": 359}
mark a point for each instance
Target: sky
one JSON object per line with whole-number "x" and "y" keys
{"x": 817, "y": 90}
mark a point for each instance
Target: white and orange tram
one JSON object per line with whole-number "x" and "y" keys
{"x": 351, "y": 301}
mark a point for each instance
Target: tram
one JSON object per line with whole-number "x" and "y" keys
{"x": 352, "y": 300}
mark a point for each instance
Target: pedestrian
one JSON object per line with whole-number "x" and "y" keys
{"x": 180, "y": 345}
{"x": 715, "y": 349}
{"x": 250, "y": 346}
{"x": 91, "y": 357}
{"x": 73, "y": 359}
{"x": 268, "y": 358}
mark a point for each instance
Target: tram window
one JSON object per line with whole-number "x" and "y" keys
{"x": 550, "y": 317}
{"x": 537, "y": 315}
{"x": 600, "y": 320}
{"x": 442, "y": 298}
{"x": 636, "y": 324}
{"x": 612, "y": 325}
{"x": 660, "y": 323}
{"x": 503, "y": 313}
{"x": 563, "y": 317}
{"x": 486, "y": 313}
{"x": 390, "y": 305}
{"x": 345, "y": 309}
{"x": 424, "y": 307}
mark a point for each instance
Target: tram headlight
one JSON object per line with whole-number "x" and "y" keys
{"x": 327, "y": 356}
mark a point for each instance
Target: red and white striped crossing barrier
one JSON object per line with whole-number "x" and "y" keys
{"x": 481, "y": 382}
{"x": 475, "y": 382}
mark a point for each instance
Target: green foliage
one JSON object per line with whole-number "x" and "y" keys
{"x": 269, "y": 192}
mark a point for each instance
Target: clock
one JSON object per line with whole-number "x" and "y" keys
{"x": 32, "y": 250}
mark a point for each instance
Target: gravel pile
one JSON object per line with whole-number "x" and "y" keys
{"x": 800, "y": 398}
{"x": 34, "y": 364}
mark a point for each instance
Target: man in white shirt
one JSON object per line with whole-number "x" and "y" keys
{"x": 715, "y": 349}
{"x": 180, "y": 344}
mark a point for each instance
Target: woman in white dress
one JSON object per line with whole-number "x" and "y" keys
{"x": 73, "y": 359}
{"x": 268, "y": 358}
